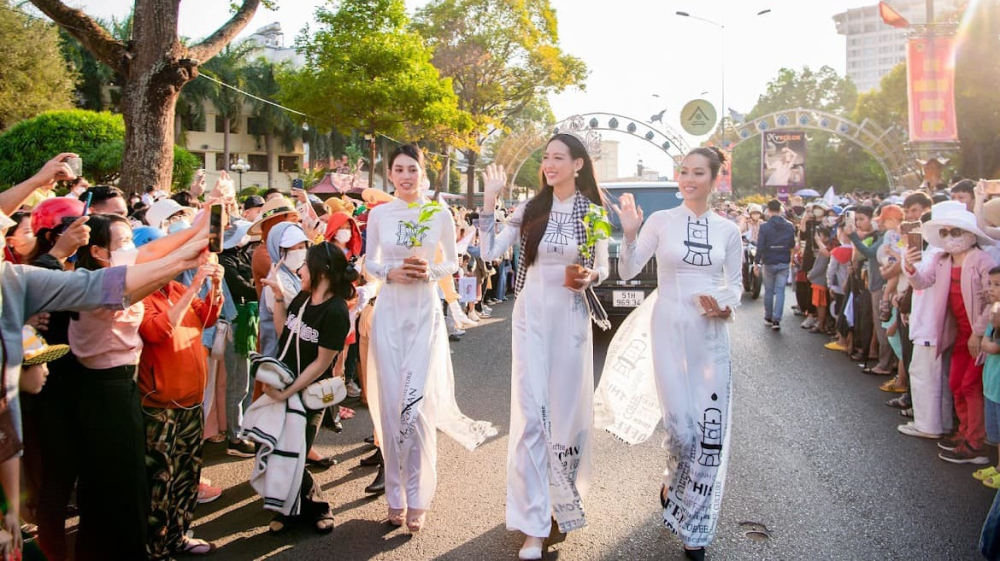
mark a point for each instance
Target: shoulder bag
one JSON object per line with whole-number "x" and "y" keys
{"x": 323, "y": 393}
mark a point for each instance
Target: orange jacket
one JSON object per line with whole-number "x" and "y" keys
{"x": 173, "y": 368}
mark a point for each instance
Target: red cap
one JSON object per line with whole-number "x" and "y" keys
{"x": 50, "y": 212}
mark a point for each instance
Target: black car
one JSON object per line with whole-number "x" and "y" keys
{"x": 620, "y": 297}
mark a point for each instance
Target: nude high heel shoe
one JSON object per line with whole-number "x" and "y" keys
{"x": 415, "y": 520}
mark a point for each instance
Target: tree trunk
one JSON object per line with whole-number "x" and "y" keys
{"x": 470, "y": 194}
{"x": 226, "y": 161}
{"x": 371, "y": 162}
{"x": 446, "y": 172}
{"x": 269, "y": 148}
{"x": 385, "y": 164}
{"x": 148, "y": 109}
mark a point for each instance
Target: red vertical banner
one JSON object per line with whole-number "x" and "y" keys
{"x": 930, "y": 88}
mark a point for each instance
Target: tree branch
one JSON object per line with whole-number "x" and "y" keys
{"x": 215, "y": 42}
{"x": 94, "y": 38}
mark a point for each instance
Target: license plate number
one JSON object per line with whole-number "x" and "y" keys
{"x": 628, "y": 298}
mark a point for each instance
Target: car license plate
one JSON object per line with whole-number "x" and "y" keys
{"x": 628, "y": 298}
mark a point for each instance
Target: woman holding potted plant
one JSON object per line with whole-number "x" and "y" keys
{"x": 409, "y": 367}
{"x": 698, "y": 260}
{"x": 552, "y": 384}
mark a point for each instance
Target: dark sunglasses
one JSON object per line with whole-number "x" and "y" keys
{"x": 953, "y": 232}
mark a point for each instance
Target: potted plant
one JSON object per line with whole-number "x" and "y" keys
{"x": 417, "y": 229}
{"x": 597, "y": 227}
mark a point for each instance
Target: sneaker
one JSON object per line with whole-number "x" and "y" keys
{"x": 486, "y": 309}
{"x": 809, "y": 323}
{"x": 776, "y": 326}
{"x": 207, "y": 493}
{"x": 964, "y": 454}
{"x": 241, "y": 448}
{"x": 910, "y": 429}
{"x": 473, "y": 316}
{"x": 485, "y": 314}
{"x": 985, "y": 473}
{"x": 834, "y": 346}
{"x": 353, "y": 390}
{"x": 768, "y": 321}
{"x": 949, "y": 444}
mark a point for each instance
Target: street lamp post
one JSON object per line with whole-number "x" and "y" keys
{"x": 722, "y": 29}
{"x": 240, "y": 167}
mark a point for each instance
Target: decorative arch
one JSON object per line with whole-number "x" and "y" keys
{"x": 517, "y": 148}
{"x": 887, "y": 146}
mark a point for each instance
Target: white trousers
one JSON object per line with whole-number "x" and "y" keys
{"x": 932, "y": 400}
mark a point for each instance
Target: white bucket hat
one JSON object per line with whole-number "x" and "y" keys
{"x": 164, "y": 209}
{"x": 952, "y": 214}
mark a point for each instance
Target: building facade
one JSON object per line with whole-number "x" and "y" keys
{"x": 606, "y": 167}
{"x": 874, "y": 48}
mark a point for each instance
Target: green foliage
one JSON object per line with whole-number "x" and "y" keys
{"x": 419, "y": 228}
{"x": 95, "y": 76}
{"x": 365, "y": 71}
{"x": 829, "y": 159}
{"x": 977, "y": 92}
{"x": 35, "y": 77}
{"x": 887, "y": 105}
{"x": 598, "y": 228}
{"x": 97, "y": 137}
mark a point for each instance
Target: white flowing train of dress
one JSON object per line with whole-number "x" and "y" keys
{"x": 552, "y": 377}
{"x": 690, "y": 359}
{"x": 409, "y": 360}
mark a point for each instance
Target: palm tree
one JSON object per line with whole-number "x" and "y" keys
{"x": 229, "y": 67}
{"x": 269, "y": 121}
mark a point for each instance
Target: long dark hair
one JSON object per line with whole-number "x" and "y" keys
{"x": 536, "y": 212}
{"x": 328, "y": 261}
{"x": 100, "y": 235}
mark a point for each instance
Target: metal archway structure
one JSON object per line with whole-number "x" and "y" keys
{"x": 887, "y": 146}
{"x": 516, "y": 150}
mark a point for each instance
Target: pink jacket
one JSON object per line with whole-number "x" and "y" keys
{"x": 975, "y": 283}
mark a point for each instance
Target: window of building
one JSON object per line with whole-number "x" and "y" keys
{"x": 253, "y": 125}
{"x": 192, "y": 122}
{"x": 288, "y": 164}
{"x": 869, "y": 27}
{"x": 258, "y": 162}
{"x": 234, "y": 125}
{"x": 220, "y": 163}
{"x": 201, "y": 159}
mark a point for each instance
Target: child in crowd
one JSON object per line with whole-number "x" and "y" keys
{"x": 990, "y": 476}
{"x": 837, "y": 274}
{"x": 817, "y": 278}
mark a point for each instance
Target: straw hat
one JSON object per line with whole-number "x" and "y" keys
{"x": 337, "y": 204}
{"x": 991, "y": 213}
{"x": 952, "y": 214}
{"x": 375, "y": 197}
{"x": 36, "y": 350}
{"x": 276, "y": 207}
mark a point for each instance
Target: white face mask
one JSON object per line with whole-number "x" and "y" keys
{"x": 295, "y": 259}
{"x": 819, "y": 213}
{"x": 342, "y": 236}
{"x": 830, "y": 220}
{"x": 124, "y": 256}
{"x": 960, "y": 244}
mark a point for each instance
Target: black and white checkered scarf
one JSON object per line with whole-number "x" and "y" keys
{"x": 581, "y": 205}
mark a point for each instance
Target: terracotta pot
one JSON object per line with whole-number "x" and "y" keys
{"x": 573, "y": 272}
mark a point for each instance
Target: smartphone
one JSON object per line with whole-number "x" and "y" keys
{"x": 915, "y": 239}
{"x": 850, "y": 219}
{"x": 86, "y": 204}
{"x": 75, "y": 165}
{"x": 907, "y": 227}
{"x": 298, "y": 184}
{"x": 215, "y": 229}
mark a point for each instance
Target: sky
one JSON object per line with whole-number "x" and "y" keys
{"x": 635, "y": 50}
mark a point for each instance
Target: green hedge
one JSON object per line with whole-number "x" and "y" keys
{"x": 98, "y": 137}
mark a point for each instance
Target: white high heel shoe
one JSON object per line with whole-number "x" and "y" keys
{"x": 532, "y": 549}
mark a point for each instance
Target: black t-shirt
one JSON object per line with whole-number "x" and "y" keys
{"x": 325, "y": 325}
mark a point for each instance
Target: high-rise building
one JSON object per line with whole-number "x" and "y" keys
{"x": 874, "y": 48}
{"x": 606, "y": 167}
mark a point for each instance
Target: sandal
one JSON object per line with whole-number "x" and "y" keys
{"x": 890, "y": 387}
{"x": 908, "y": 413}
{"x": 871, "y": 370}
{"x": 324, "y": 524}
{"x": 346, "y": 413}
{"x": 901, "y": 402}
{"x": 992, "y": 482}
{"x": 396, "y": 516}
{"x": 415, "y": 519}
{"x": 194, "y": 546}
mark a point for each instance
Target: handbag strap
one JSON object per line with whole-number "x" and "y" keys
{"x": 288, "y": 341}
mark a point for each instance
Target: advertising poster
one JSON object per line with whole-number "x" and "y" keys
{"x": 783, "y": 159}
{"x": 930, "y": 89}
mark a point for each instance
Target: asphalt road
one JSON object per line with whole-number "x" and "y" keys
{"x": 816, "y": 461}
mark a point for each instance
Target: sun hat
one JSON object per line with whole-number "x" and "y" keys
{"x": 992, "y": 188}
{"x": 375, "y": 197}
{"x": 50, "y": 212}
{"x": 991, "y": 213}
{"x": 235, "y": 234}
{"x": 952, "y": 214}
{"x": 36, "y": 350}
{"x": 292, "y": 237}
{"x": 277, "y": 207}
{"x": 164, "y": 209}
{"x": 145, "y": 234}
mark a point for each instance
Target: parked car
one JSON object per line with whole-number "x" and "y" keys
{"x": 620, "y": 297}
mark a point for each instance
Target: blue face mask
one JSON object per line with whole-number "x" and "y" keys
{"x": 177, "y": 226}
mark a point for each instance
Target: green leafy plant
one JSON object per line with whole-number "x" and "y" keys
{"x": 598, "y": 228}
{"x": 418, "y": 228}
